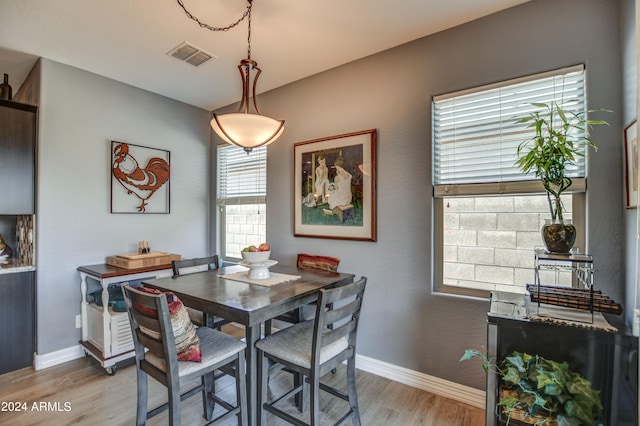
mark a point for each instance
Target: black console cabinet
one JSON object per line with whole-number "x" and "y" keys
{"x": 608, "y": 360}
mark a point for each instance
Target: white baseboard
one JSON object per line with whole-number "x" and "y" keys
{"x": 58, "y": 357}
{"x": 435, "y": 385}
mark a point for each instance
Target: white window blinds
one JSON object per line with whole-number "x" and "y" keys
{"x": 475, "y": 135}
{"x": 242, "y": 177}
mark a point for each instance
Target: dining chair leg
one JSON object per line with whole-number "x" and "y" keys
{"x": 351, "y": 389}
{"x": 314, "y": 403}
{"x": 174, "y": 406}
{"x": 143, "y": 396}
{"x": 241, "y": 389}
{"x": 301, "y": 397}
{"x": 208, "y": 382}
{"x": 263, "y": 384}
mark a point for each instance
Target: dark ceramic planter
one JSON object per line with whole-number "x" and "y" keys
{"x": 558, "y": 236}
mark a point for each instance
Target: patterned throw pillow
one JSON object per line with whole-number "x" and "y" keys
{"x": 184, "y": 332}
{"x": 326, "y": 263}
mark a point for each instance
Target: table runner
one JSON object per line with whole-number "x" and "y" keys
{"x": 273, "y": 279}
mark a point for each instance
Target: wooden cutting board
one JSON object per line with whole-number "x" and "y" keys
{"x": 136, "y": 256}
{"x": 135, "y": 260}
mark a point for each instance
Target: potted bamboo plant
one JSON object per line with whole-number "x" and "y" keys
{"x": 560, "y": 138}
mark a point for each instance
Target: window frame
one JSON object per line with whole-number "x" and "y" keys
{"x": 578, "y": 218}
{"x": 258, "y": 196}
{"x": 511, "y": 188}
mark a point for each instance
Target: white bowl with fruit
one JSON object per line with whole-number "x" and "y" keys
{"x": 256, "y": 254}
{"x": 257, "y": 260}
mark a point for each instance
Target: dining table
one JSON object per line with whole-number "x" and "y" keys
{"x": 227, "y": 292}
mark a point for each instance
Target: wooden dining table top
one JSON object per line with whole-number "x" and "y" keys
{"x": 248, "y": 304}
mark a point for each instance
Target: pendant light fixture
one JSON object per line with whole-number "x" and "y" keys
{"x": 244, "y": 128}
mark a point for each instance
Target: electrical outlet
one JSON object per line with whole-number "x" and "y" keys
{"x": 78, "y": 321}
{"x": 636, "y": 322}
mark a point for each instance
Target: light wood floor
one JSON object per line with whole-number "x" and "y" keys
{"x": 81, "y": 393}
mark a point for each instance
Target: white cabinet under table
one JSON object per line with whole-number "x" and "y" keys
{"x": 106, "y": 334}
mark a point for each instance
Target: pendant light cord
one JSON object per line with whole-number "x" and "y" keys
{"x": 249, "y": 29}
{"x": 212, "y": 28}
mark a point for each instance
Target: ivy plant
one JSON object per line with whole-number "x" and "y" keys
{"x": 543, "y": 387}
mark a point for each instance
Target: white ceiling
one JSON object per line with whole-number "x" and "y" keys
{"x": 128, "y": 40}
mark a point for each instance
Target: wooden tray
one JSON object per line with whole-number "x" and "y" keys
{"x": 574, "y": 298}
{"x": 135, "y": 260}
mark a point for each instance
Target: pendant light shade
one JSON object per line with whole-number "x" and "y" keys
{"x": 247, "y": 130}
{"x": 243, "y": 128}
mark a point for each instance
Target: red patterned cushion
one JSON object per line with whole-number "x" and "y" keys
{"x": 326, "y": 263}
{"x": 184, "y": 332}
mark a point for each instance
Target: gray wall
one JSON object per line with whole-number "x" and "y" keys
{"x": 403, "y": 322}
{"x": 629, "y": 112}
{"x": 80, "y": 113}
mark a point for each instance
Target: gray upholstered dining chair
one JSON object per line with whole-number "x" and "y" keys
{"x": 191, "y": 266}
{"x": 305, "y": 313}
{"x": 312, "y": 349}
{"x": 152, "y": 326}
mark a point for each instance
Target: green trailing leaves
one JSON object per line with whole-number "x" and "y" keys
{"x": 518, "y": 362}
{"x": 543, "y": 387}
{"x": 472, "y": 353}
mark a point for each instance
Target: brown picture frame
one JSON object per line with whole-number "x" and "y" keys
{"x": 335, "y": 187}
{"x": 140, "y": 179}
{"x": 631, "y": 165}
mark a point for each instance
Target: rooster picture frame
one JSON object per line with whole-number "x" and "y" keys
{"x": 140, "y": 179}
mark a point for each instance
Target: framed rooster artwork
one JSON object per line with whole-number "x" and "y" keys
{"x": 139, "y": 179}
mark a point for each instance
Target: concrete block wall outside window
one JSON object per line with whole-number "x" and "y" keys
{"x": 245, "y": 225}
{"x": 489, "y": 242}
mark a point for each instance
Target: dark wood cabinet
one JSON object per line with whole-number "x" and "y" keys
{"x": 18, "y": 123}
{"x": 17, "y": 320}
{"x": 17, "y": 158}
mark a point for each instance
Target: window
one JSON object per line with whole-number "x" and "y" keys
{"x": 242, "y": 189}
{"x": 488, "y": 214}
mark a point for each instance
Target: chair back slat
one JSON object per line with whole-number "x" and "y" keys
{"x": 339, "y": 313}
{"x": 147, "y": 322}
{"x": 139, "y": 298}
{"x": 332, "y": 335}
{"x": 190, "y": 266}
{"x": 343, "y": 292}
{"x": 154, "y": 345}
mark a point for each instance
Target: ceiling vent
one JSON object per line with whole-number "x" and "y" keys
{"x": 190, "y": 54}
